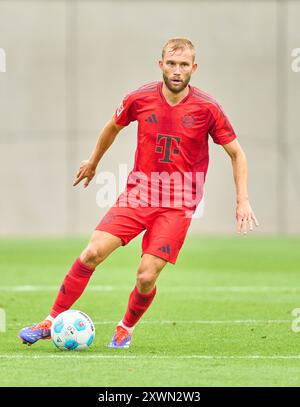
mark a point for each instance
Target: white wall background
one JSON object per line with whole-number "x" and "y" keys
{"x": 69, "y": 63}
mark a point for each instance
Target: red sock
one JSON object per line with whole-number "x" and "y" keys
{"x": 137, "y": 305}
{"x": 72, "y": 287}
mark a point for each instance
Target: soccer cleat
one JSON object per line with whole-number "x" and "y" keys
{"x": 32, "y": 334}
{"x": 121, "y": 338}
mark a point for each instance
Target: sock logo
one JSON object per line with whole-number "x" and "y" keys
{"x": 133, "y": 312}
{"x": 62, "y": 289}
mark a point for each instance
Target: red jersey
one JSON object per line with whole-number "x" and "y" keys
{"x": 172, "y": 145}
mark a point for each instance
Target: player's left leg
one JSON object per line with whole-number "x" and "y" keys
{"x": 140, "y": 299}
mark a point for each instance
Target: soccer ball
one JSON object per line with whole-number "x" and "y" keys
{"x": 72, "y": 330}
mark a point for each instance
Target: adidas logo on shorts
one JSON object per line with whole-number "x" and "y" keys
{"x": 165, "y": 249}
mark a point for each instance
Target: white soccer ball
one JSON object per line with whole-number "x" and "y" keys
{"x": 72, "y": 330}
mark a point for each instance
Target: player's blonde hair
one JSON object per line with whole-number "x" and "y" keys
{"x": 179, "y": 43}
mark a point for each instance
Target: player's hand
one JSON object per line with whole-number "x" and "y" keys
{"x": 86, "y": 171}
{"x": 245, "y": 217}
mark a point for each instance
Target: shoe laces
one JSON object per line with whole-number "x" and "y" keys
{"x": 44, "y": 325}
{"x": 121, "y": 334}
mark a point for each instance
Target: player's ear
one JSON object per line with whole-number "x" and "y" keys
{"x": 160, "y": 64}
{"x": 195, "y": 66}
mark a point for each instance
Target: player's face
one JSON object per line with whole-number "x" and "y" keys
{"x": 177, "y": 68}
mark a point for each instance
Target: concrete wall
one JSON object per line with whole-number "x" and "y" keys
{"x": 68, "y": 65}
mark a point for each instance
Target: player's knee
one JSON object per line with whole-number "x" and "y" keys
{"x": 92, "y": 256}
{"x": 147, "y": 276}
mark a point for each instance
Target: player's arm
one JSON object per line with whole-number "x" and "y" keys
{"x": 244, "y": 213}
{"x": 88, "y": 167}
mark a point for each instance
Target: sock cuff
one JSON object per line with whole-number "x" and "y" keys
{"x": 53, "y": 314}
{"x": 149, "y": 295}
{"x": 128, "y": 328}
{"x": 50, "y": 318}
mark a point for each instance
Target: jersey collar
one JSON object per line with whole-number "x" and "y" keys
{"x": 160, "y": 85}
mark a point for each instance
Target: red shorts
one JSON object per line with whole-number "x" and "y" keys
{"x": 166, "y": 228}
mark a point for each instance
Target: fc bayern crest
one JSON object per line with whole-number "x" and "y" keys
{"x": 188, "y": 121}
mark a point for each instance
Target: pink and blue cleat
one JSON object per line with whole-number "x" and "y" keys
{"x": 34, "y": 333}
{"x": 121, "y": 338}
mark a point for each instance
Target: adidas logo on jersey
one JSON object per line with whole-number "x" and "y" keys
{"x": 152, "y": 119}
{"x": 165, "y": 249}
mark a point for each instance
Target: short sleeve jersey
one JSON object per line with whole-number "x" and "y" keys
{"x": 173, "y": 140}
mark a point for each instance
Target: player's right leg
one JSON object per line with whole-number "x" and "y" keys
{"x": 101, "y": 245}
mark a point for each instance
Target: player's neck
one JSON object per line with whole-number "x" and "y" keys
{"x": 174, "y": 98}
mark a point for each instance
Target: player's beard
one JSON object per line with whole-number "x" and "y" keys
{"x": 176, "y": 89}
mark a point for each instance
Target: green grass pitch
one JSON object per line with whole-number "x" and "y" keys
{"x": 221, "y": 317}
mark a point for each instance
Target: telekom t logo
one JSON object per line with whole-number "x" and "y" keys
{"x": 165, "y": 144}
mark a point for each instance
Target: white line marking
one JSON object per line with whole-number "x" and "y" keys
{"x": 44, "y": 288}
{"x": 238, "y": 321}
{"x": 200, "y": 322}
{"x": 208, "y": 289}
{"x": 65, "y": 355}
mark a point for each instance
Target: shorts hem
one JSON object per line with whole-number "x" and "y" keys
{"x": 172, "y": 261}
{"x": 124, "y": 243}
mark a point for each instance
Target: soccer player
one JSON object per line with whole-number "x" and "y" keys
{"x": 175, "y": 120}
